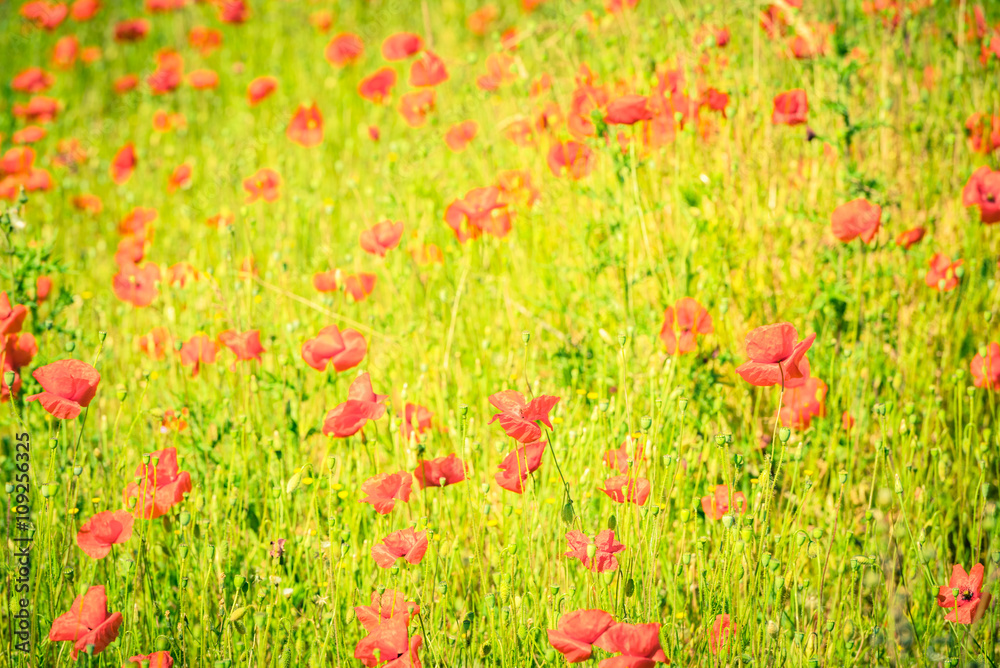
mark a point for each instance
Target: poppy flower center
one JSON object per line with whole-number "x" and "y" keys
{"x": 965, "y": 594}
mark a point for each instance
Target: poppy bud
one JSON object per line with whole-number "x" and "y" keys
{"x": 210, "y": 549}
{"x": 645, "y": 423}
{"x": 765, "y": 559}
{"x": 591, "y": 550}
{"x": 843, "y": 477}
{"x": 49, "y": 489}
{"x": 237, "y": 614}
{"x": 685, "y": 514}
{"x": 238, "y": 581}
{"x": 526, "y": 336}
{"x": 508, "y": 510}
{"x": 69, "y": 347}
{"x": 8, "y": 378}
{"x": 486, "y": 509}
{"x": 77, "y": 471}
{"x": 779, "y": 586}
{"x": 603, "y": 406}
{"x": 727, "y": 521}
{"x": 772, "y": 628}
{"x": 720, "y": 440}
{"x": 784, "y": 434}
{"x": 686, "y": 558}
{"x": 801, "y": 538}
{"x": 683, "y": 403}
{"x": 567, "y": 514}
{"x": 463, "y": 410}
{"x": 629, "y": 588}
{"x": 612, "y": 522}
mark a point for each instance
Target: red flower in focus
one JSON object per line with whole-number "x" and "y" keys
{"x": 390, "y": 605}
{"x": 628, "y": 110}
{"x": 439, "y": 472}
{"x": 605, "y": 549}
{"x": 910, "y": 237}
{"x": 362, "y": 405}
{"x": 160, "y": 659}
{"x": 571, "y": 159}
{"x": 804, "y": 402}
{"x": 199, "y": 349}
{"x": 460, "y": 134}
{"x": 943, "y": 274}
{"x": 415, "y": 106}
{"x": 261, "y": 88}
{"x": 637, "y": 644}
{"x": 381, "y": 237}
{"x": 344, "y": 49}
{"x": 162, "y": 486}
{"x": 517, "y": 417}
{"x": 262, "y": 185}
{"x": 155, "y": 343}
{"x": 722, "y": 629}
{"x": 136, "y": 285}
{"x": 404, "y": 544}
{"x": 790, "y": 108}
{"x": 245, "y": 345}
{"x": 983, "y": 190}
{"x": 401, "y": 46}
{"x": 123, "y": 164}
{"x": 306, "y": 127}
{"x": 577, "y": 631}
{"x": 985, "y": 367}
{"x": 384, "y": 489}
{"x": 716, "y": 504}
{"x": 11, "y": 317}
{"x": 87, "y": 622}
{"x": 100, "y": 532}
{"x": 857, "y": 218}
{"x": 32, "y": 80}
{"x": 622, "y": 488}
{"x": 68, "y": 386}
{"x": 131, "y": 30}
{"x": 377, "y": 87}
{"x": 482, "y": 210}
{"x": 427, "y": 71}
{"x": 687, "y": 318}
{"x": 970, "y": 603}
{"x": 518, "y": 465}
{"x": 344, "y": 349}
{"x": 775, "y": 355}
{"x": 388, "y": 645}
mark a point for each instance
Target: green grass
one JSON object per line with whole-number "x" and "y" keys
{"x": 848, "y": 535}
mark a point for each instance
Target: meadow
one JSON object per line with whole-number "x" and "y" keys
{"x": 499, "y": 333}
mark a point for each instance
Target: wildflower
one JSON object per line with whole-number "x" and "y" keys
{"x": 405, "y": 544}
{"x": 261, "y": 88}
{"x": 306, "y": 127}
{"x": 123, "y": 164}
{"x": 602, "y": 557}
{"x": 384, "y": 489}
{"x": 199, "y": 349}
{"x": 160, "y": 659}
{"x": 775, "y": 355}
{"x": 416, "y": 421}
{"x": 985, "y": 367}
{"x": 687, "y": 318}
{"x": 362, "y": 405}
{"x": 263, "y": 185}
{"x": 716, "y": 504}
{"x": 162, "y": 485}
{"x": 857, "y": 218}
{"x": 439, "y": 472}
{"x": 577, "y": 631}
{"x": 428, "y": 70}
{"x": 68, "y": 386}
{"x": 460, "y": 134}
{"x": 518, "y": 465}
{"x": 969, "y": 604}
{"x": 637, "y": 645}
{"x": 401, "y": 46}
{"x": 790, "y": 108}
{"x": 722, "y": 630}
{"x": 87, "y": 623}
{"x": 906, "y": 239}
{"x": 344, "y": 49}
{"x": 344, "y": 349}
{"x": 100, "y": 532}
{"x": 942, "y": 275}
{"x": 518, "y": 417}
{"x": 983, "y": 190}
{"x": 571, "y": 159}
{"x": 381, "y": 237}
{"x": 803, "y": 402}
{"x": 624, "y": 488}
{"x": 390, "y": 605}
{"x": 377, "y": 87}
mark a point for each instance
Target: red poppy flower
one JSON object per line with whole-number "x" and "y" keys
{"x": 482, "y": 211}
{"x": 516, "y": 188}
{"x": 857, "y": 218}
{"x": 716, "y": 504}
{"x": 790, "y": 108}
{"x": 131, "y": 30}
{"x": 199, "y": 349}
{"x": 168, "y": 74}
{"x": 622, "y": 488}
{"x": 775, "y": 355}
{"x": 43, "y": 286}
{"x": 326, "y": 281}
{"x": 100, "y": 532}
{"x": 45, "y": 15}
{"x": 404, "y": 544}
{"x": 983, "y": 132}
{"x": 306, "y": 127}
{"x": 154, "y": 344}
{"x": 381, "y": 237}
{"x": 180, "y": 273}
{"x": 910, "y": 237}
{"x": 970, "y": 603}
{"x": 416, "y": 420}
{"x": 162, "y": 486}
{"x": 518, "y": 465}
{"x": 160, "y": 659}
{"x": 687, "y": 318}
{"x": 137, "y": 285}
{"x": 983, "y": 190}
{"x": 68, "y": 386}
{"x": 32, "y": 80}
{"x": 628, "y": 110}
{"x": 460, "y": 134}
{"x": 84, "y": 10}
{"x": 260, "y": 88}
{"x": 87, "y": 622}
{"x": 262, "y": 185}
{"x": 390, "y": 605}
{"x": 245, "y": 345}
{"x": 401, "y": 46}
{"x": 439, "y": 472}
{"x": 89, "y": 203}
{"x": 123, "y": 164}
{"x": 131, "y": 250}
{"x": 415, "y": 106}
{"x": 804, "y": 402}
{"x": 344, "y": 49}
{"x": 373, "y": 132}
{"x": 161, "y": 6}
{"x": 427, "y": 71}
{"x": 384, "y": 489}
{"x": 603, "y": 558}
{"x": 378, "y": 86}
{"x": 137, "y": 221}
{"x": 359, "y": 286}
{"x": 220, "y": 220}
{"x": 638, "y": 646}
{"x": 11, "y": 316}
{"x": 203, "y": 79}
{"x": 179, "y": 178}
{"x": 29, "y": 135}
{"x": 388, "y": 645}
{"x": 204, "y": 39}
{"x": 344, "y": 350}
{"x": 362, "y": 405}
{"x": 322, "y": 20}
{"x": 942, "y": 276}
{"x": 499, "y": 71}
{"x": 65, "y": 51}
{"x": 518, "y": 417}
{"x": 17, "y": 352}
{"x": 985, "y": 367}
{"x": 572, "y": 159}
{"x": 480, "y": 21}
{"x": 39, "y": 109}
{"x": 576, "y": 632}
{"x": 233, "y": 11}
{"x": 618, "y": 459}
